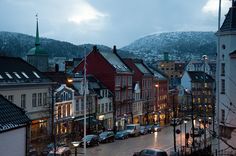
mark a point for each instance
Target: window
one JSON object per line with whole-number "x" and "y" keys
{"x": 110, "y": 106}
{"x": 124, "y": 83}
{"x": 44, "y": 99}
{"x": 68, "y": 109}
{"x": 106, "y": 107}
{"x": 39, "y": 99}
{"x": 23, "y": 101}
{"x": 103, "y": 108}
{"x": 222, "y": 69}
{"x": 8, "y": 75}
{"x": 26, "y": 76}
{"x": 35, "y": 74}
{"x": 10, "y": 98}
{"x": 130, "y": 80}
{"x": 117, "y": 95}
{"x": 34, "y": 100}
{"x": 77, "y": 105}
{"x": 17, "y": 75}
{"x": 222, "y": 115}
{"x": 64, "y": 111}
{"x": 117, "y": 80}
{"x": 222, "y": 86}
{"x": 59, "y": 112}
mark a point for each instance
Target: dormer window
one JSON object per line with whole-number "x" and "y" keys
{"x": 35, "y": 74}
{"x": 8, "y": 75}
{"x": 26, "y": 76}
{"x": 17, "y": 75}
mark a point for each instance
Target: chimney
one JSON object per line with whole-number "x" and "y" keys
{"x": 56, "y": 68}
{"x": 114, "y": 49}
{"x": 95, "y": 48}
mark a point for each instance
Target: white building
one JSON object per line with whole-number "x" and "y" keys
{"x": 226, "y": 88}
{"x": 28, "y": 88}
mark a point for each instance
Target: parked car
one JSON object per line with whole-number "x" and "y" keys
{"x": 150, "y": 128}
{"x": 50, "y": 147}
{"x": 60, "y": 151}
{"x": 156, "y": 128}
{"x": 133, "y": 129}
{"x": 122, "y": 135}
{"x": 91, "y": 140}
{"x": 150, "y": 152}
{"x": 143, "y": 130}
{"x": 107, "y": 136}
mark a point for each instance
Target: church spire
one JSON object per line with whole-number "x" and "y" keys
{"x": 37, "y": 32}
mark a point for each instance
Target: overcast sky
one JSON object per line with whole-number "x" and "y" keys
{"x": 108, "y": 22}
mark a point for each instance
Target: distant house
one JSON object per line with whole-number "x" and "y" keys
{"x": 13, "y": 129}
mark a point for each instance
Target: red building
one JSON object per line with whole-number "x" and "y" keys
{"x": 111, "y": 70}
{"x": 143, "y": 77}
{"x": 161, "y": 107}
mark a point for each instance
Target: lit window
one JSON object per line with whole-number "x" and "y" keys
{"x": 36, "y": 74}
{"x": 8, "y": 75}
{"x": 26, "y": 76}
{"x": 17, "y": 75}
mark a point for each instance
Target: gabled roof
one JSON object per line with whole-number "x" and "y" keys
{"x": 229, "y": 23}
{"x": 198, "y": 76}
{"x": 11, "y": 116}
{"x": 116, "y": 61}
{"x": 142, "y": 67}
{"x": 14, "y": 70}
{"x": 158, "y": 74}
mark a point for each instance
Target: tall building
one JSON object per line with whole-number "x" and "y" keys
{"x": 37, "y": 56}
{"x": 226, "y": 88}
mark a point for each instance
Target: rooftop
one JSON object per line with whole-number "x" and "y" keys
{"x": 11, "y": 116}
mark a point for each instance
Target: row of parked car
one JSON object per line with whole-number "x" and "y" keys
{"x": 105, "y": 137}
{"x": 109, "y": 136}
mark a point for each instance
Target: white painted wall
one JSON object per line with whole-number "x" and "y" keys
{"x": 13, "y": 143}
{"x": 228, "y": 39}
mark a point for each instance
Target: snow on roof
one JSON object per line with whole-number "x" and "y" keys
{"x": 115, "y": 61}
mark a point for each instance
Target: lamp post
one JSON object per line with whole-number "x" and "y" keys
{"x": 75, "y": 144}
{"x": 185, "y": 122}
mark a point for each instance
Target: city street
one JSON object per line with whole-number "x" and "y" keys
{"x": 162, "y": 140}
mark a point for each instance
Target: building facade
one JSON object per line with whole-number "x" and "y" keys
{"x": 226, "y": 74}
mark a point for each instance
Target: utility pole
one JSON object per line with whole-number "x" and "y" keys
{"x": 193, "y": 144}
{"x": 85, "y": 98}
{"x": 174, "y": 126}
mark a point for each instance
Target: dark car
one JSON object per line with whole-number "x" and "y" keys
{"x": 175, "y": 121}
{"x": 143, "y": 130}
{"x": 156, "y": 128}
{"x": 150, "y": 128}
{"x": 122, "y": 135}
{"x": 107, "y": 136}
{"x": 91, "y": 140}
{"x": 150, "y": 152}
{"x": 48, "y": 148}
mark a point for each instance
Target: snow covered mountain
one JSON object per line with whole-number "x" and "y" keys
{"x": 180, "y": 45}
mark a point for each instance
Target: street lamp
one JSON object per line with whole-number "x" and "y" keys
{"x": 185, "y": 122}
{"x": 75, "y": 144}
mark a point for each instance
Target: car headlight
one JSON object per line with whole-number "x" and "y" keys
{"x": 155, "y": 128}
